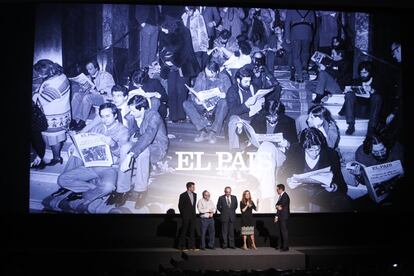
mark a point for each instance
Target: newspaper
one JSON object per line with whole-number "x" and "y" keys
{"x": 84, "y": 82}
{"x": 321, "y": 58}
{"x": 358, "y": 90}
{"x": 256, "y": 139}
{"x": 322, "y": 176}
{"x": 259, "y": 99}
{"x": 93, "y": 150}
{"x": 208, "y": 98}
{"x": 379, "y": 179}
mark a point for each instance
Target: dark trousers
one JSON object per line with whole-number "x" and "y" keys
{"x": 283, "y": 231}
{"x": 38, "y": 143}
{"x": 328, "y": 83}
{"x": 300, "y": 55}
{"x": 202, "y": 59}
{"x": 207, "y": 224}
{"x": 177, "y": 94}
{"x": 187, "y": 226}
{"x": 227, "y": 232}
{"x": 374, "y": 104}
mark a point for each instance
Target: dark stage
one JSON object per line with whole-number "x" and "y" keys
{"x": 46, "y": 261}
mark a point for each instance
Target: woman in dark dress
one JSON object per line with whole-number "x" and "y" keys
{"x": 247, "y": 222}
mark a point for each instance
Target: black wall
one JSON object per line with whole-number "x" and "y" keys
{"x": 23, "y": 230}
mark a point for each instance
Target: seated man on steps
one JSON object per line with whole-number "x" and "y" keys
{"x": 148, "y": 145}
{"x": 91, "y": 183}
{"x": 333, "y": 78}
{"x": 356, "y": 106}
{"x": 210, "y": 78}
{"x": 82, "y": 102}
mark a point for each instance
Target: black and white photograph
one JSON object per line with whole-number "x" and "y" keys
{"x": 225, "y": 96}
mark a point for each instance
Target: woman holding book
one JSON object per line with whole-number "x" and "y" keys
{"x": 312, "y": 154}
{"x": 247, "y": 222}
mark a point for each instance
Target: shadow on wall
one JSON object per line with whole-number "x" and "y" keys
{"x": 168, "y": 228}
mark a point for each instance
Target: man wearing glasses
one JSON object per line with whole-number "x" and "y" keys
{"x": 207, "y": 208}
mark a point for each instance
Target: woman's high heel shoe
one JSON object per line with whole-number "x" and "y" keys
{"x": 55, "y": 161}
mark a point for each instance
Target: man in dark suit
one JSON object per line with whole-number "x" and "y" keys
{"x": 227, "y": 205}
{"x": 186, "y": 206}
{"x": 282, "y": 216}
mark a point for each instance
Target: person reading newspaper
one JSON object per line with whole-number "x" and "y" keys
{"x": 313, "y": 174}
{"x": 365, "y": 107}
{"x": 93, "y": 92}
{"x": 89, "y": 173}
{"x": 378, "y": 165}
{"x": 208, "y": 97}
{"x": 334, "y": 72}
{"x": 142, "y": 84}
{"x": 271, "y": 133}
{"x": 244, "y": 100}
{"x": 147, "y": 145}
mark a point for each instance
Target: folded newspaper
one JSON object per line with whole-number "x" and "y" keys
{"x": 208, "y": 98}
{"x": 359, "y": 91}
{"x": 92, "y": 149}
{"x": 258, "y": 105}
{"x": 321, "y": 58}
{"x": 256, "y": 138}
{"x": 84, "y": 82}
{"x": 322, "y": 176}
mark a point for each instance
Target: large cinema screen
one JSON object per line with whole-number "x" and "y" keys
{"x": 131, "y": 102}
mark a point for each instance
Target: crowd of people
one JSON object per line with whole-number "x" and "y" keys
{"x": 198, "y": 49}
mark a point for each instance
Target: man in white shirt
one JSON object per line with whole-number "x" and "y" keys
{"x": 207, "y": 208}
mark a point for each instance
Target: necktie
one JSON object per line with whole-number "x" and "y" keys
{"x": 120, "y": 116}
{"x": 228, "y": 202}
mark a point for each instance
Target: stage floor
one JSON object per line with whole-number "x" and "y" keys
{"x": 31, "y": 261}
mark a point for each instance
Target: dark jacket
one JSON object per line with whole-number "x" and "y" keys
{"x": 285, "y": 124}
{"x": 300, "y": 25}
{"x": 341, "y": 71}
{"x": 236, "y": 107}
{"x": 227, "y": 213}
{"x": 154, "y": 85}
{"x": 295, "y": 164}
{"x": 284, "y": 201}
{"x": 181, "y": 45}
{"x": 187, "y": 210}
{"x": 152, "y": 133}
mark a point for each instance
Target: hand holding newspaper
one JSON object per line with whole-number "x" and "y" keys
{"x": 321, "y": 59}
{"x": 323, "y": 176}
{"x": 380, "y": 179}
{"x": 208, "y": 98}
{"x": 256, "y": 139}
{"x": 84, "y": 82}
{"x": 258, "y": 100}
{"x": 358, "y": 90}
{"x": 93, "y": 149}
